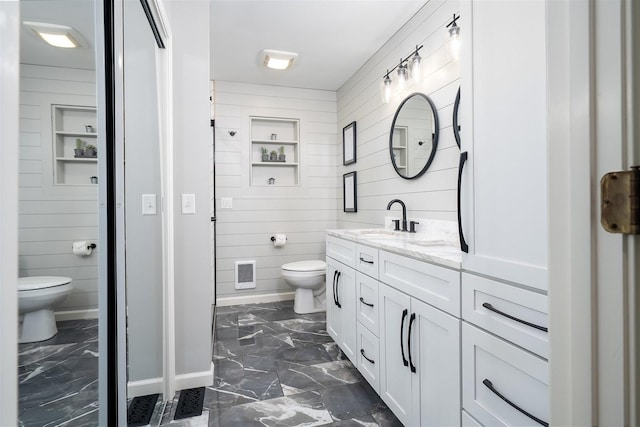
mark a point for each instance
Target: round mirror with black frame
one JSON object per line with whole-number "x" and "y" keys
{"x": 414, "y": 136}
{"x": 456, "y": 126}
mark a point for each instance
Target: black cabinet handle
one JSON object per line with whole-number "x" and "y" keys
{"x": 489, "y": 385}
{"x": 365, "y": 356}
{"x": 335, "y": 274}
{"x": 365, "y": 303}
{"x": 411, "y": 319}
{"x": 456, "y": 127}
{"x": 338, "y": 296}
{"x": 463, "y": 243}
{"x": 364, "y": 260}
{"x": 508, "y": 316}
{"x": 404, "y": 359}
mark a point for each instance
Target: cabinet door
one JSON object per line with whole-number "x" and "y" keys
{"x": 346, "y": 296}
{"x": 504, "y": 182}
{"x": 334, "y": 314}
{"x": 395, "y": 376}
{"x": 341, "y": 307}
{"x": 435, "y": 353}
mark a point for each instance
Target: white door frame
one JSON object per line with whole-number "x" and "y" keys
{"x": 591, "y": 272}
{"x": 9, "y": 103}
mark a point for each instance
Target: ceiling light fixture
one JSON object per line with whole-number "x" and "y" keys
{"x": 454, "y": 34}
{"x": 56, "y": 35}
{"x": 403, "y": 74}
{"x": 278, "y": 59}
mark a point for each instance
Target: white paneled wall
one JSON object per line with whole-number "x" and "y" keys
{"x": 303, "y": 212}
{"x": 52, "y": 217}
{"x": 433, "y": 195}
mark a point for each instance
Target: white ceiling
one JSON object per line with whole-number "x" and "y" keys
{"x": 73, "y": 13}
{"x": 333, "y": 38}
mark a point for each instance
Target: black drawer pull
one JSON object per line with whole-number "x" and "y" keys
{"x": 365, "y": 303}
{"x": 405, "y": 362}
{"x": 364, "y": 260}
{"x": 365, "y": 356}
{"x": 508, "y": 316}
{"x": 489, "y": 385}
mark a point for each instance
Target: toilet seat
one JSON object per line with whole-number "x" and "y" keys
{"x": 41, "y": 282}
{"x": 306, "y": 266}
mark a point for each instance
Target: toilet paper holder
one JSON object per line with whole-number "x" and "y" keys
{"x": 273, "y": 238}
{"x": 91, "y": 246}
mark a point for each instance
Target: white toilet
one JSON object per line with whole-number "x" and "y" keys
{"x": 37, "y": 297}
{"x": 307, "y": 277}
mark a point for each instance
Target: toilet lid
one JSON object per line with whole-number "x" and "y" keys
{"x": 312, "y": 265}
{"x": 40, "y": 282}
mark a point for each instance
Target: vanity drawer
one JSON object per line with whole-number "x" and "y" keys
{"x": 342, "y": 250}
{"x": 367, "y": 260}
{"x": 367, "y": 301}
{"x": 515, "y": 314}
{"x": 369, "y": 356}
{"x": 492, "y": 367}
{"x": 435, "y": 285}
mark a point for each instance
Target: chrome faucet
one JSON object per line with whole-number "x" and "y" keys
{"x": 404, "y": 214}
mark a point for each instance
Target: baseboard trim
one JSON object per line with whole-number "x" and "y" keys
{"x": 144, "y": 387}
{"x": 91, "y": 313}
{"x": 195, "y": 379}
{"x": 254, "y": 299}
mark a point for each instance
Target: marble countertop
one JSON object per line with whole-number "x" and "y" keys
{"x": 421, "y": 246}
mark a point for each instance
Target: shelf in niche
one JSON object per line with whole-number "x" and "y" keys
{"x": 274, "y": 142}
{"x": 68, "y": 124}
{"x": 276, "y": 164}
{"x": 285, "y": 174}
{"x": 85, "y": 134}
{"x": 77, "y": 159}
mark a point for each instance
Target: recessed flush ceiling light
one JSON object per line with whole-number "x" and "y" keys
{"x": 278, "y": 59}
{"x": 56, "y": 35}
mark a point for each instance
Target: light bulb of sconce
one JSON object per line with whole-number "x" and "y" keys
{"x": 416, "y": 73}
{"x": 454, "y": 34}
{"x": 402, "y": 76}
{"x": 386, "y": 89}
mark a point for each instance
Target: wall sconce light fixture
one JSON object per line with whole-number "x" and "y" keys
{"x": 454, "y": 34}
{"x": 403, "y": 74}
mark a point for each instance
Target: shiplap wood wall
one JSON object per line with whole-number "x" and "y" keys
{"x": 433, "y": 195}
{"x": 303, "y": 212}
{"x": 52, "y": 217}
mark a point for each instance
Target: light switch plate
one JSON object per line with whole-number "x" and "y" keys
{"x": 188, "y": 204}
{"x": 226, "y": 203}
{"x": 149, "y": 206}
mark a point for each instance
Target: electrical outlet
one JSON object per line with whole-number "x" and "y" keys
{"x": 226, "y": 203}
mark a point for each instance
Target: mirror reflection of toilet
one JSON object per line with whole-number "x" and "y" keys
{"x": 37, "y": 297}
{"x": 307, "y": 277}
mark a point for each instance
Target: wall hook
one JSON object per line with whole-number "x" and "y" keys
{"x": 233, "y": 132}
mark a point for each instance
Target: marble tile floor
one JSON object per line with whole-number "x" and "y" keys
{"x": 58, "y": 378}
{"x": 276, "y": 368}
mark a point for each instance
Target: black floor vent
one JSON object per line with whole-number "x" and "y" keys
{"x": 140, "y": 410}
{"x": 190, "y": 403}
